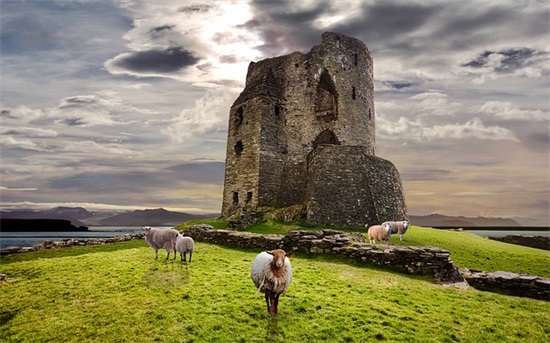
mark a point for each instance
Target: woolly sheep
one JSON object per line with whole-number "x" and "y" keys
{"x": 398, "y": 227}
{"x": 161, "y": 239}
{"x": 272, "y": 274}
{"x": 184, "y": 245}
{"x": 379, "y": 233}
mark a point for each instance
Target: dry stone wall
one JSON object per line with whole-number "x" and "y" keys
{"x": 511, "y": 283}
{"x": 413, "y": 260}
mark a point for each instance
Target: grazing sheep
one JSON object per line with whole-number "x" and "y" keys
{"x": 399, "y": 227}
{"x": 379, "y": 233}
{"x": 272, "y": 274}
{"x": 161, "y": 239}
{"x": 184, "y": 245}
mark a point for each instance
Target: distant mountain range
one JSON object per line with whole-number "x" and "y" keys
{"x": 439, "y": 220}
{"x": 81, "y": 217}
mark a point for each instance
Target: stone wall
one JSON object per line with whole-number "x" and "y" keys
{"x": 372, "y": 194}
{"x": 413, "y": 260}
{"x": 510, "y": 283}
{"x": 539, "y": 242}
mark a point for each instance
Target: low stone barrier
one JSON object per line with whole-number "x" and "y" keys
{"x": 539, "y": 242}
{"x": 413, "y": 260}
{"x": 511, "y": 283}
{"x": 70, "y": 242}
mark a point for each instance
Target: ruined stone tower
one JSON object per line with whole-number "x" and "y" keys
{"x": 302, "y": 133}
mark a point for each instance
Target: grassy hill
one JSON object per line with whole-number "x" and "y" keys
{"x": 119, "y": 293}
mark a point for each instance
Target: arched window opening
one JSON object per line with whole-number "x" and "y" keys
{"x": 239, "y": 147}
{"x": 326, "y": 137}
{"x": 326, "y": 98}
{"x": 235, "y": 198}
{"x": 353, "y": 92}
{"x": 248, "y": 196}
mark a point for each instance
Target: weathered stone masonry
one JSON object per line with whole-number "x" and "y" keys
{"x": 302, "y": 132}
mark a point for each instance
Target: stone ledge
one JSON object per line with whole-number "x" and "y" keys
{"x": 523, "y": 285}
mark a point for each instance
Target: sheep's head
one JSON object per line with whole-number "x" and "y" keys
{"x": 278, "y": 257}
{"x": 146, "y": 229}
{"x": 406, "y": 224}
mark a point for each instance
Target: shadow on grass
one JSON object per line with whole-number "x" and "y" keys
{"x": 273, "y": 332}
{"x": 166, "y": 275}
{"x": 71, "y": 251}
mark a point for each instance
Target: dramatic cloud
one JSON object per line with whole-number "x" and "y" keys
{"x": 103, "y": 102}
{"x": 155, "y": 61}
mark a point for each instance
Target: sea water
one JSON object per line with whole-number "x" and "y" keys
{"x": 28, "y": 239}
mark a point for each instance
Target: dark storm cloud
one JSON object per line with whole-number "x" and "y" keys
{"x": 512, "y": 59}
{"x": 156, "y": 61}
{"x": 281, "y": 28}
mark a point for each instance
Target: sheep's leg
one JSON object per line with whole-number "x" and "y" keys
{"x": 273, "y": 301}
{"x": 184, "y": 257}
{"x": 181, "y": 256}
{"x": 156, "y": 254}
{"x": 190, "y": 254}
{"x": 276, "y": 303}
{"x": 167, "y": 254}
{"x": 267, "y": 301}
{"x": 175, "y": 254}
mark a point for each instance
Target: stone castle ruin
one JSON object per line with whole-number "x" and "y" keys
{"x": 302, "y": 132}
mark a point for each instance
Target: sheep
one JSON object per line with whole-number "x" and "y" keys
{"x": 184, "y": 245}
{"x": 398, "y": 227}
{"x": 272, "y": 274}
{"x": 161, "y": 239}
{"x": 379, "y": 233}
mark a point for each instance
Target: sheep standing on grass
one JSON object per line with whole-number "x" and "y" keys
{"x": 399, "y": 227}
{"x": 184, "y": 245}
{"x": 161, "y": 239}
{"x": 272, "y": 274}
{"x": 379, "y": 233}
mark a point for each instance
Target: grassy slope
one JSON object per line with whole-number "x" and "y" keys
{"x": 468, "y": 250}
{"x": 118, "y": 292}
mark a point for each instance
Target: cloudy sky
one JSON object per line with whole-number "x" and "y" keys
{"x": 124, "y": 104}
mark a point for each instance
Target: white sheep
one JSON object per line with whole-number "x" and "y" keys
{"x": 184, "y": 245}
{"x": 379, "y": 233}
{"x": 272, "y": 274}
{"x": 161, "y": 239}
{"x": 398, "y": 227}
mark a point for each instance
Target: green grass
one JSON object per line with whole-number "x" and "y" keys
{"x": 119, "y": 293}
{"x": 468, "y": 250}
